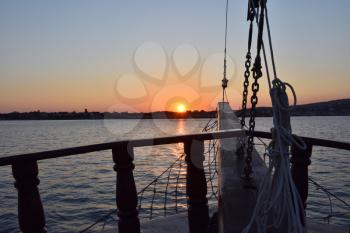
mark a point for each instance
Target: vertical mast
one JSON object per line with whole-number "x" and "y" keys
{"x": 224, "y": 79}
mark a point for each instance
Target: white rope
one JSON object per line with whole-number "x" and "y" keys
{"x": 278, "y": 199}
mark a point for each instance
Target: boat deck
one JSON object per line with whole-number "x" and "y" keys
{"x": 178, "y": 224}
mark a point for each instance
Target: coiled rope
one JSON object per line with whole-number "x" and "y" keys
{"x": 278, "y": 199}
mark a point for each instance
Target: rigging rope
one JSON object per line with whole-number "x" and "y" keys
{"x": 256, "y": 5}
{"x": 270, "y": 44}
{"x": 224, "y": 80}
{"x": 329, "y": 196}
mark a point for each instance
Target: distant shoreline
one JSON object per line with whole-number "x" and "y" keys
{"x": 87, "y": 119}
{"x": 329, "y": 108}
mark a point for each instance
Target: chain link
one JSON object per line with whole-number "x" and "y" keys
{"x": 245, "y": 88}
{"x": 248, "y": 63}
{"x": 257, "y": 74}
{"x": 254, "y": 101}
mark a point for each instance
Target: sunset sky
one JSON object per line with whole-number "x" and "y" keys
{"x": 107, "y": 55}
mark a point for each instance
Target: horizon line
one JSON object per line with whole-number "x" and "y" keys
{"x": 188, "y": 111}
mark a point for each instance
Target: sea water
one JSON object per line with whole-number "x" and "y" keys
{"x": 77, "y": 190}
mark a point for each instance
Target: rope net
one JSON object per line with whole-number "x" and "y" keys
{"x": 166, "y": 194}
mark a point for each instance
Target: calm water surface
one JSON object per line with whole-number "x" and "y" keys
{"x": 78, "y": 190}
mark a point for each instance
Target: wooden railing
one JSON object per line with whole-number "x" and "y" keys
{"x": 31, "y": 215}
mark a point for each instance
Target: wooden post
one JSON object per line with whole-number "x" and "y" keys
{"x": 31, "y": 215}
{"x": 196, "y": 187}
{"x": 126, "y": 194}
{"x": 300, "y": 161}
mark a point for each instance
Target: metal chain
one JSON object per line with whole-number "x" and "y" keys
{"x": 257, "y": 73}
{"x": 248, "y": 62}
{"x": 254, "y": 101}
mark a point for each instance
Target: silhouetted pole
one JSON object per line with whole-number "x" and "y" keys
{"x": 300, "y": 161}
{"x": 31, "y": 215}
{"x": 126, "y": 194}
{"x": 196, "y": 187}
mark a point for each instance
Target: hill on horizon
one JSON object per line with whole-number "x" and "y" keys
{"x": 327, "y": 108}
{"x": 339, "y": 107}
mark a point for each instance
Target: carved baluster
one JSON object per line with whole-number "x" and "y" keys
{"x": 300, "y": 161}
{"x": 126, "y": 194}
{"x": 196, "y": 187}
{"x": 31, "y": 215}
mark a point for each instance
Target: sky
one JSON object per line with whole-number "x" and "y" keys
{"x": 110, "y": 55}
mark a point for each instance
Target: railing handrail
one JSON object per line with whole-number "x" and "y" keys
{"x": 311, "y": 141}
{"x": 35, "y": 156}
{"x": 8, "y": 160}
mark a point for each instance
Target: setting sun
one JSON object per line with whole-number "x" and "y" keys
{"x": 181, "y": 107}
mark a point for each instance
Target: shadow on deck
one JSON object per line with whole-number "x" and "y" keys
{"x": 178, "y": 224}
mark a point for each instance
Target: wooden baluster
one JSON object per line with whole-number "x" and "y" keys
{"x": 196, "y": 187}
{"x": 31, "y": 215}
{"x": 300, "y": 161}
{"x": 126, "y": 193}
